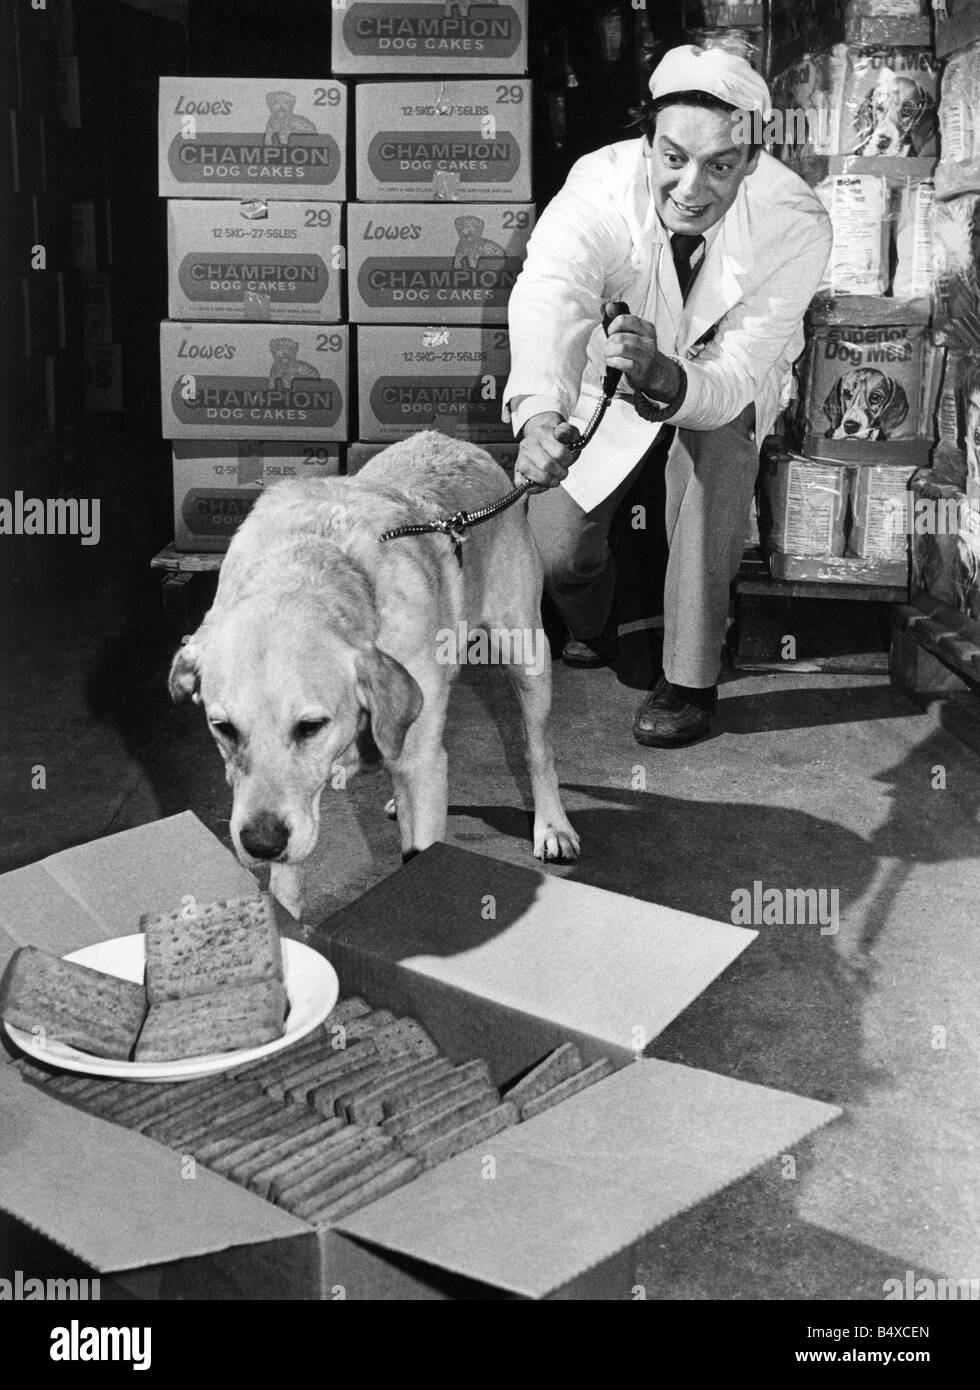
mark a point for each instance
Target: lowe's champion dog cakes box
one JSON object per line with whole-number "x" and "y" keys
{"x": 408, "y": 261}
{"x": 217, "y": 482}
{"x": 445, "y": 378}
{"x": 279, "y": 261}
{"x": 233, "y": 137}
{"x": 253, "y": 381}
{"x": 412, "y": 36}
{"x": 443, "y": 141}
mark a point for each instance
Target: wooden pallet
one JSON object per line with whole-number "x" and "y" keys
{"x": 762, "y": 608}
{"x": 934, "y": 648}
{"x": 179, "y": 568}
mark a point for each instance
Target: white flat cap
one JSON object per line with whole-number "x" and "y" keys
{"x": 716, "y": 71}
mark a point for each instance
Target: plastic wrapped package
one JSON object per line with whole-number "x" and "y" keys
{"x": 862, "y": 378}
{"x": 884, "y": 9}
{"x": 746, "y": 43}
{"x": 936, "y": 509}
{"x": 890, "y": 103}
{"x": 913, "y": 240}
{"x": 804, "y": 505}
{"x": 956, "y": 265}
{"x": 968, "y": 395}
{"x": 879, "y": 498}
{"x": 888, "y": 22}
{"x": 959, "y": 117}
{"x": 811, "y": 94}
{"x": 859, "y": 208}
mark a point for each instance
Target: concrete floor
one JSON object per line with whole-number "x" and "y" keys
{"x": 809, "y": 781}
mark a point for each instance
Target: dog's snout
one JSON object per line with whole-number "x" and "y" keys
{"x": 265, "y": 837}
{"x": 852, "y": 427}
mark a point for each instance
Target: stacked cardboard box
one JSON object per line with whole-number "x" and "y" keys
{"x": 439, "y": 232}
{"x": 254, "y": 357}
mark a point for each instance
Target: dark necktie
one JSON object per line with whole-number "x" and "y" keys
{"x": 684, "y": 248}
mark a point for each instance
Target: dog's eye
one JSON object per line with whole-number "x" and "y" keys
{"x": 306, "y": 728}
{"x": 226, "y": 729}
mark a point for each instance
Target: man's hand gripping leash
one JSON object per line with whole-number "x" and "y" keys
{"x": 563, "y": 433}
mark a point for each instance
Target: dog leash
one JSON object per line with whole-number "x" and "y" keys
{"x": 456, "y": 526}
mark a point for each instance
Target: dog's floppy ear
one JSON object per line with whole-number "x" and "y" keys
{"x": 864, "y": 122}
{"x": 185, "y": 671}
{"x": 833, "y": 406}
{"x": 391, "y": 696}
{"x": 896, "y": 409}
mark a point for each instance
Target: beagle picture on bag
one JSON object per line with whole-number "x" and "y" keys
{"x": 865, "y": 404}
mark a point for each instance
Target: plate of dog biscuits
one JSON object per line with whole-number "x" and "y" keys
{"x": 200, "y": 989}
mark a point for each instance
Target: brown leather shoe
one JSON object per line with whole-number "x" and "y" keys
{"x": 596, "y": 652}
{"x": 667, "y": 718}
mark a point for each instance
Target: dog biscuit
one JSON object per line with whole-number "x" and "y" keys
{"x": 570, "y": 1087}
{"x": 558, "y": 1065}
{"x": 246, "y": 1016}
{"x": 437, "y": 1103}
{"x": 474, "y": 1131}
{"x": 458, "y": 1111}
{"x": 364, "y": 1103}
{"x": 64, "y": 1002}
{"x": 320, "y": 1177}
{"x": 386, "y": 1180}
{"x": 233, "y": 941}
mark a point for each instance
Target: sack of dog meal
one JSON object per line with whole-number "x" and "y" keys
{"x": 858, "y": 205}
{"x": 956, "y": 268}
{"x": 810, "y": 94}
{"x": 959, "y": 117}
{"x": 890, "y": 103}
{"x": 862, "y": 379}
{"x": 803, "y": 505}
{"x": 879, "y": 509}
{"x": 913, "y": 240}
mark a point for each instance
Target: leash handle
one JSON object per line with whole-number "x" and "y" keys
{"x": 613, "y": 375}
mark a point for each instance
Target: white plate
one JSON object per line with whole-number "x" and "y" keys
{"x": 311, "y": 987}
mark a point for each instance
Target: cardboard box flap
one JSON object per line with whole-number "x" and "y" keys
{"x": 100, "y": 890}
{"x": 588, "y": 1178}
{"x": 586, "y": 959}
{"x": 112, "y": 1197}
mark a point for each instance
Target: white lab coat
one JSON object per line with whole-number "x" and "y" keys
{"x": 600, "y": 238}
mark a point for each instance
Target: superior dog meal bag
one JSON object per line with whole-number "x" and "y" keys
{"x": 862, "y": 383}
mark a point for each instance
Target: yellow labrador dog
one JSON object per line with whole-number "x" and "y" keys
{"x": 323, "y": 639}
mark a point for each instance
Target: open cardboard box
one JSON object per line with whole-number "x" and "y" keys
{"x": 494, "y": 961}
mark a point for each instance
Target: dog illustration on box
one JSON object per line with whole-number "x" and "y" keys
{"x": 865, "y": 404}
{"x": 473, "y": 245}
{"x": 283, "y": 121}
{"x": 286, "y": 366}
{"x": 897, "y": 117}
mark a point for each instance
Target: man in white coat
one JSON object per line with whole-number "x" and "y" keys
{"x": 717, "y": 249}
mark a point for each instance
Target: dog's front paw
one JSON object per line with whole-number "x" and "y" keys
{"x": 555, "y": 840}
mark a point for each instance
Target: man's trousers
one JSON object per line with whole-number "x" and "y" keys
{"x": 710, "y": 478}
